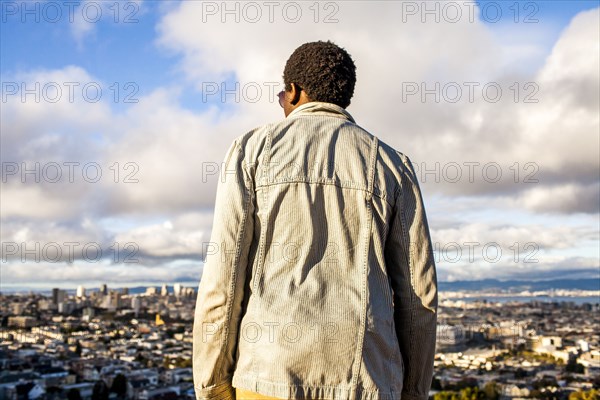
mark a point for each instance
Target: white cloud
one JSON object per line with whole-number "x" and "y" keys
{"x": 563, "y": 198}
{"x": 480, "y": 131}
{"x": 169, "y": 147}
{"x": 548, "y": 238}
{"x": 557, "y": 268}
{"x": 31, "y": 274}
{"x": 21, "y": 203}
{"x": 561, "y": 131}
{"x": 182, "y": 237}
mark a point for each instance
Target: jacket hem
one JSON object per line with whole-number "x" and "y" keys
{"x": 310, "y": 392}
{"x": 222, "y": 391}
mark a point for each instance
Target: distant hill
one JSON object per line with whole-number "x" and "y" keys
{"x": 490, "y": 285}
{"x": 518, "y": 285}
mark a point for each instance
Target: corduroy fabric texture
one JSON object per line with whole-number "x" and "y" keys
{"x": 319, "y": 280}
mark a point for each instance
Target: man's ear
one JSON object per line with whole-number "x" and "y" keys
{"x": 296, "y": 91}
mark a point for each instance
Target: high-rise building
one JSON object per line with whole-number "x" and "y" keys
{"x": 177, "y": 289}
{"x": 136, "y": 304}
{"x": 17, "y": 308}
{"x": 104, "y": 289}
{"x": 111, "y": 301}
{"x": 115, "y": 298}
{"x": 88, "y": 313}
{"x": 66, "y": 307}
{"x": 58, "y": 295}
{"x": 80, "y": 291}
{"x": 164, "y": 291}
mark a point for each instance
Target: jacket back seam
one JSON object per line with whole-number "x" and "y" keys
{"x": 379, "y": 193}
{"x": 358, "y": 358}
{"x": 262, "y": 241}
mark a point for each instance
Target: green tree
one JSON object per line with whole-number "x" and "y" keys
{"x": 100, "y": 391}
{"x": 183, "y": 362}
{"x": 520, "y": 373}
{"x": 73, "y": 394}
{"x": 78, "y": 349}
{"x": 591, "y": 394}
{"x": 471, "y": 393}
{"x": 575, "y": 367}
{"x": 53, "y": 390}
{"x": 491, "y": 390}
{"x": 445, "y": 395}
{"x": 119, "y": 386}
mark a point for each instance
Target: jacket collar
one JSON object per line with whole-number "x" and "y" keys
{"x": 322, "y": 108}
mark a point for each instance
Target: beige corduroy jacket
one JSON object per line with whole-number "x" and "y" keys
{"x": 319, "y": 280}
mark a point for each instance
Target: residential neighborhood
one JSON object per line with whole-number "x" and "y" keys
{"x": 116, "y": 344}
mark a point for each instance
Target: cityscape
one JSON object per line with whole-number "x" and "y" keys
{"x": 118, "y": 120}
{"x": 136, "y": 343}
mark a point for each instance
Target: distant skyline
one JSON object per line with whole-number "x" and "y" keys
{"x": 585, "y": 285}
{"x": 113, "y": 126}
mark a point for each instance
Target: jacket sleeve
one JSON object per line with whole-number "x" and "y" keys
{"x": 412, "y": 274}
{"x": 221, "y": 290}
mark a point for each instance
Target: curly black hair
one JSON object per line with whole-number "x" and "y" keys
{"x": 324, "y": 70}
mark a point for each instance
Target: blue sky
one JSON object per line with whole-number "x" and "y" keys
{"x": 128, "y": 51}
{"x": 173, "y": 131}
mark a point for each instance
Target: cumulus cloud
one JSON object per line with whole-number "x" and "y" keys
{"x": 50, "y": 151}
{"x": 561, "y": 131}
{"x": 183, "y": 237}
{"x": 506, "y": 235}
{"x": 522, "y": 135}
{"x": 20, "y": 275}
{"x": 175, "y": 153}
{"x": 563, "y": 268}
{"x": 482, "y": 250}
{"x": 158, "y": 158}
{"x": 562, "y": 198}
